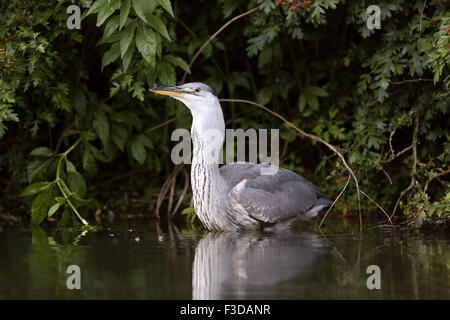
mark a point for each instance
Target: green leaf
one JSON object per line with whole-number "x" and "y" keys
{"x": 301, "y": 102}
{"x": 134, "y": 120}
{"x": 61, "y": 200}
{"x": 146, "y": 44}
{"x": 76, "y": 183}
{"x": 119, "y": 136}
{"x": 138, "y": 151}
{"x": 53, "y": 209}
{"x": 266, "y": 5}
{"x": 188, "y": 211}
{"x": 143, "y": 8}
{"x": 101, "y": 126}
{"x": 65, "y": 217}
{"x": 178, "y": 62}
{"x": 110, "y": 29}
{"x": 167, "y": 6}
{"x": 313, "y": 102}
{"x": 70, "y": 167}
{"x": 157, "y": 24}
{"x": 265, "y": 57}
{"x": 79, "y": 202}
{"x": 124, "y": 11}
{"x": 65, "y": 187}
{"x": 80, "y": 102}
{"x": 128, "y": 56}
{"x": 35, "y": 188}
{"x": 264, "y": 95}
{"x": 97, "y": 154}
{"x": 96, "y": 6}
{"x": 145, "y": 141}
{"x": 111, "y": 55}
{"x": 40, "y": 206}
{"x": 138, "y": 90}
{"x": 104, "y": 14}
{"x": 37, "y": 170}
{"x": 318, "y": 91}
{"x": 166, "y": 73}
{"x": 126, "y": 37}
{"x": 42, "y": 152}
{"x": 89, "y": 163}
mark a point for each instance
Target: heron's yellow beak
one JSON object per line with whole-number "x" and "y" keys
{"x": 169, "y": 91}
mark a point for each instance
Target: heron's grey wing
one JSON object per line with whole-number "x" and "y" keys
{"x": 272, "y": 198}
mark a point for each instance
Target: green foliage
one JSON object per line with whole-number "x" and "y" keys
{"x": 64, "y": 192}
{"x": 419, "y": 208}
{"x": 314, "y": 62}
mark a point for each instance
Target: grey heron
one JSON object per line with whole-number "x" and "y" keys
{"x": 237, "y": 196}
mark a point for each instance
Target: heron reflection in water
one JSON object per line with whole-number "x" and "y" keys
{"x": 237, "y": 196}
{"x": 232, "y": 265}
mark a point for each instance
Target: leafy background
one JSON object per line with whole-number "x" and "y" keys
{"x": 79, "y": 134}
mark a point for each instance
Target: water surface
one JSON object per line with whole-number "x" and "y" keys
{"x": 138, "y": 259}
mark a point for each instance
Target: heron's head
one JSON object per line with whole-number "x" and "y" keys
{"x": 197, "y": 96}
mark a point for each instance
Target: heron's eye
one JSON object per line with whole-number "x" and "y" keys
{"x": 197, "y": 89}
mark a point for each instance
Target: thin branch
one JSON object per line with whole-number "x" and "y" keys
{"x": 420, "y": 20}
{"x": 161, "y": 125}
{"x": 215, "y": 35}
{"x": 390, "y": 143}
{"x": 171, "y": 194}
{"x": 387, "y": 175}
{"x": 403, "y": 151}
{"x": 183, "y": 194}
{"x": 164, "y": 189}
{"x": 335, "y": 200}
{"x": 312, "y": 137}
{"x": 415, "y": 161}
{"x": 375, "y": 203}
{"x": 411, "y": 80}
{"x": 400, "y": 198}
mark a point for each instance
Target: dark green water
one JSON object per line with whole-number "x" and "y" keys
{"x": 136, "y": 259}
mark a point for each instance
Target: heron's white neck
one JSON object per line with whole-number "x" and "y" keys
{"x": 208, "y": 187}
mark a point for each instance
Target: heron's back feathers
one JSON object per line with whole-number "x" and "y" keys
{"x": 282, "y": 196}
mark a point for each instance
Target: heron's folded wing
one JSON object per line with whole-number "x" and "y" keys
{"x": 271, "y": 198}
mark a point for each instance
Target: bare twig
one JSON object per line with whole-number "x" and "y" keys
{"x": 215, "y": 35}
{"x": 375, "y": 203}
{"x": 164, "y": 189}
{"x": 161, "y": 125}
{"x": 183, "y": 194}
{"x": 411, "y": 80}
{"x": 403, "y": 151}
{"x": 400, "y": 198}
{"x": 334, "y": 202}
{"x": 415, "y": 161}
{"x": 420, "y": 20}
{"x": 390, "y": 142}
{"x": 312, "y": 137}
{"x": 387, "y": 175}
{"x": 171, "y": 194}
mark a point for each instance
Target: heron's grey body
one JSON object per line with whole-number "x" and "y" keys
{"x": 237, "y": 196}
